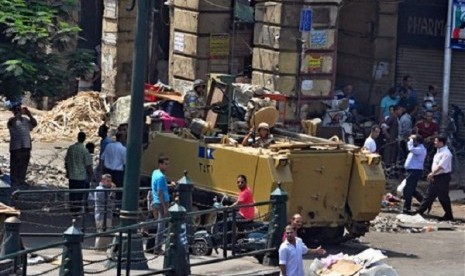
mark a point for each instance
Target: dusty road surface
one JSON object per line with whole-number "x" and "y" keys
{"x": 433, "y": 253}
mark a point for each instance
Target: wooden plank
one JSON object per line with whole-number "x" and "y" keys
{"x": 215, "y": 95}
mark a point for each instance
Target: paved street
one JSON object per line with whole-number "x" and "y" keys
{"x": 434, "y": 253}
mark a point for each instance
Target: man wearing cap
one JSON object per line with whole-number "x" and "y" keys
{"x": 20, "y": 143}
{"x": 257, "y": 102}
{"x": 264, "y": 139}
{"x": 194, "y": 101}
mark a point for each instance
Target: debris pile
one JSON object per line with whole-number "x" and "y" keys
{"x": 39, "y": 173}
{"x": 83, "y": 112}
{"x": 403, "y": 223}
{"x": 366, "y": 263}
{"x": 46, "y": 174}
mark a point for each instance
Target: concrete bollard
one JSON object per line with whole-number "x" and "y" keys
{"x": 11, "y": 239}
{"x": 177, "y": 247}
{"x": 278, "y": 221}
{"x": 71, "y": 262}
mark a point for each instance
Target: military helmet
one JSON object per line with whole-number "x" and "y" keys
{"x": 198, "y": 82}
{"x": 263, "y": 125}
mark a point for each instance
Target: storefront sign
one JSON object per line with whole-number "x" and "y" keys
{"x": 219, "y": 45}
{"x": 422, "y": 24}
{"x": 318, "y": 39}
{"x": 305, "y": 20}
{"x": 314, "y": 63}
{"x": 179, "y": 42}
{"x": 458, "y": 25}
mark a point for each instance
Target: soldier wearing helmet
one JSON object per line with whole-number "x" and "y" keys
{"x": 194, "y": 101}
{"x": 264, "y": 139}
{"x": 257, "y": 102}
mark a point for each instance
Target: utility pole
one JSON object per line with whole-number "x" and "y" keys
{"x": 447, "y": 65}
{"x": 133, "y": 245}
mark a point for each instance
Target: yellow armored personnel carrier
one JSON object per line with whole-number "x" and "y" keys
{"x": 334, "y": 186}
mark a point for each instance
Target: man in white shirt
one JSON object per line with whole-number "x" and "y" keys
{"x": 113, "y": 161}
{"x": 370, "y": 142}
{"x": 439, "y": 179}
{"x": 291, "y": 252}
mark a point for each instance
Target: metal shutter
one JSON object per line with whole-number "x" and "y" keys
{"x": 426, "y": 67}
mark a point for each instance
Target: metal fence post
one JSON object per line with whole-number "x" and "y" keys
{"x": 278, "y": 221}
{"x": 11, "y": 239}
{"x": 185, "y": 188}
{"x": 71, "y": 262}
{"x": 177, "y": 247}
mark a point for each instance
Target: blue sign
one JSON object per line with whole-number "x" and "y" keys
{"x": 205, "y": 152}
{"x": 305, "y": 20}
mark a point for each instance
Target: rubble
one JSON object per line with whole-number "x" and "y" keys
{"x": 83, "y": 112}
{"x": 402, "y": 223}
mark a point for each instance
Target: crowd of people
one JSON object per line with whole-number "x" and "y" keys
{"x": 409, "y": 140}
{"x": 406, "y": 137}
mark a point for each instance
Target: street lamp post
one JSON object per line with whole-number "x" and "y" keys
{"x": 129, "y": 211}
{"x": 447, "y": 65}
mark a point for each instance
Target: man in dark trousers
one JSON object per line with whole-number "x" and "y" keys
{"x": 78, "y": 164}
{"x": 20, "y": 143}
{"x": 439, "y": 179}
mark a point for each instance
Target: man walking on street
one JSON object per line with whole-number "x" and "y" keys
{"x": 439, "y": 179}
{"x": 20, "y": 143}
{"x": 161, "y": 200}
{"x": 78, "y": 164}
{"x": 291, "y": 252}
{"x": 414, "y": 166}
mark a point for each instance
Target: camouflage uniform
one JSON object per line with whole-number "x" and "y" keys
{"x": 254, "y": 105}
{"x": 192, "y": 106}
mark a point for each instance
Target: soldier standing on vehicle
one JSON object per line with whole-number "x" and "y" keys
{"x": 291, "y": 252}
{"x": 264, "y": 139}
{"x": 257, "y": 102}
{"x": 20, "y": 143}
{"x": 439, "y": 179}
{"x": 194, "y": 102}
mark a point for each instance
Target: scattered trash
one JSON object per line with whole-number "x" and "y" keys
{"x": 392, "y": 198}
{"x": 400, "y": 188}
{"x": 411, "y": 219}
{"x": 366, "y": 263}
{"x": 429, "y": 229}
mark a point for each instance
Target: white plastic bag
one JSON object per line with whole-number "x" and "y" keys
{"x": 400, "y": 188}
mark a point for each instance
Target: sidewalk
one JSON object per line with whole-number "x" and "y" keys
{"x": 94, "y": 263}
